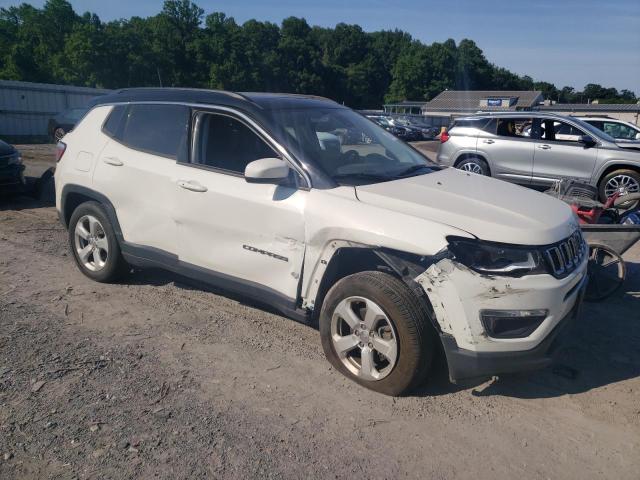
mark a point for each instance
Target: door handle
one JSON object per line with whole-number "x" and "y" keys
{"x": 113, "y": 161}
{"x": 193, "y": 186}
{"x": 544, "y": 147}
{"x": 489, "y": 141}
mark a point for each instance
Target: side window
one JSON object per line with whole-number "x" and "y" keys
{"x": 619, "y": 130}
{"x": 514, "y": 127}
{"x": 598, "y": 124}
{"x": 226, "y": 143}
{"x": 158, "y": 129}
{"x": 112, "y": 125}
{"x": 554, "y": 130}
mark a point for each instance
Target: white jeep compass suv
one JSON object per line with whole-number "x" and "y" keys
{"x": 265, "y": 195}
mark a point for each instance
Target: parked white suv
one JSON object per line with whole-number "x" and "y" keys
{"x": 623, "y": 132}
{"x": 389, "y": 253}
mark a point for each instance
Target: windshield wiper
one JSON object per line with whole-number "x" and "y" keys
{"x": 413, "y": 169}
{"x": 376, "y": 177}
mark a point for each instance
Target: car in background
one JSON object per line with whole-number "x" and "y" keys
{"x": 404, "y": 132}
{"x": 537, "y": 149}
{"x": 623, "y": 132}
{"x": 63, "y": 123}
{"x": 428, "y": 132}
{"x": 11, "y": 169}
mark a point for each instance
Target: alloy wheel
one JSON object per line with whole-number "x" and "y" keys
{"x": 623, "y": 184}
{"x": 91, "y": 243}
{"x": 471, "y": 167}
{"x": 364, "y": 338}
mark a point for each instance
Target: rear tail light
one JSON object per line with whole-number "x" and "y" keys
{"x": 60, "y": 148}
{"x": 444, "y": 136}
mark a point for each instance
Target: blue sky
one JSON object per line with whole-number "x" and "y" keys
{"x": 567, "y": 42}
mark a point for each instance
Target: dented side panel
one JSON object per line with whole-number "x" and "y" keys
{"x": 254, "y": 232}
{"x": 336, "y": 218}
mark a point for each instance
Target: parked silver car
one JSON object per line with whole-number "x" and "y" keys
{"x": 537, "y": 149}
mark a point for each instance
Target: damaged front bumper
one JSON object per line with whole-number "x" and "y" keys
{"x": 458, "y": 295}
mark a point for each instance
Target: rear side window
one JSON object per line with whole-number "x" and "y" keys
{"x": 514, "y": 127}
{"x": 224, "y": 142}
{"x": 470, "y": 123}
{"x": 157, "y": 129}
{"x": 486, "y": 124}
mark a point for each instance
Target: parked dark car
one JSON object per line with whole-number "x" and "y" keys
{"x": 398, "y": 130}
{"x": 11, "y": 169}
{"x": 64, "y": 122}
{"x": 427, "y": 132}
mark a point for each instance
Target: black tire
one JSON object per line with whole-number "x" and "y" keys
{"x": 617, "y": 173}
{"x": 415, "y": 336}
{"x": 44, "y": 188}
{"x": 606, "y": 271}
{"x": 474, "y": 165}
{"x": 115, "y": 265}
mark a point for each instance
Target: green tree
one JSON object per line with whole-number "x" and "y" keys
{"x": 177, "y": 48}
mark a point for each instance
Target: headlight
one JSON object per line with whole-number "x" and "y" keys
{"x": 496, "y": 258}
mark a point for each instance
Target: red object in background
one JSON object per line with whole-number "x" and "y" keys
{"x": 592, "y": 215}
{"x": 444, "y": 136}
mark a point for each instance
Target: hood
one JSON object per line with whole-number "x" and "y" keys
{"x": 487, "y": 208}
{"x": 6, "y": 149}
{"x": 628, "y": 143}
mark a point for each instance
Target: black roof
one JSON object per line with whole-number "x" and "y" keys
{"x": 244, "y": 101}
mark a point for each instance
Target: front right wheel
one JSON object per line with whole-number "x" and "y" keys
{"x": 376, "y": 331}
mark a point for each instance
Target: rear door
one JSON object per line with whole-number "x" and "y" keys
{"x": 135, "y": 168}
{"x": 507, "y": 145}
{"x": 559, "y": 154}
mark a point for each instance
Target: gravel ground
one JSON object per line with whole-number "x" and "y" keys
{"x": 157, "y": 378}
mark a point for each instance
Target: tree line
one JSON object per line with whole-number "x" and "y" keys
{"x": 180, "y": 46}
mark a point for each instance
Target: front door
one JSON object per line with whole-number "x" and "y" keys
{"x": 559, "y": 154}
{"x": 247, "y": 233}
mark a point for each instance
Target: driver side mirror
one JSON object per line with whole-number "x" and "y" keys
{"x": 266, "y": 170}
{"x": 587, "y": 141}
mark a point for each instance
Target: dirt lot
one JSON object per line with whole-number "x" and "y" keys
{"x": 154, "y": 377}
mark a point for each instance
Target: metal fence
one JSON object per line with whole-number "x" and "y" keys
{"x": 25, "y": 107}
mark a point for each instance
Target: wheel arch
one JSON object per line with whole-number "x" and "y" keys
{"x": 74, "y": 195}
{"x": 466, "y": 155}
{"x": 349, "y": 259}
{"x": 616, "y": 166}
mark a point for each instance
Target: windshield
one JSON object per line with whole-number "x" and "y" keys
{"x": 348, "y": 147}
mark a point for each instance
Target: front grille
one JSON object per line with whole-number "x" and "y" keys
{"x": 564, "y": 257}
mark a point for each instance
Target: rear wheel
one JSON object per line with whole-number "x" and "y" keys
{"x": 94, "y": 244}
{"x": 474, "y": 165}
{"x": 375, "y": 331}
